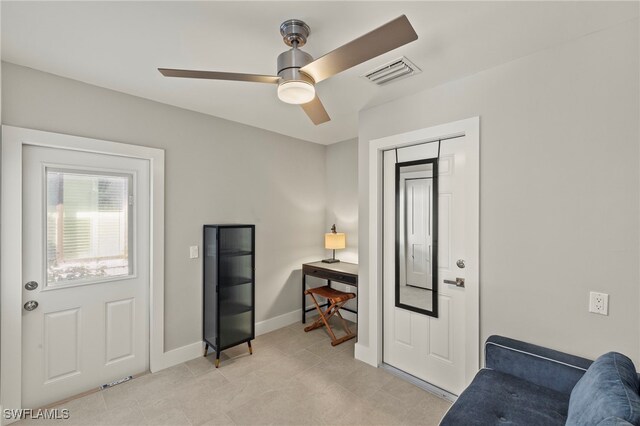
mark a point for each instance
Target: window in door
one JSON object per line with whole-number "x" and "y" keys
{"x": 89, "y": 226}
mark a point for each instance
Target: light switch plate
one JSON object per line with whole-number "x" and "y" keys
{"x": 193, "y": 252}
{"x": 599, "y": 303}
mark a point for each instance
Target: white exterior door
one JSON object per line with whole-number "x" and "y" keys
{"x": 432, "y": 349}
{"x": 86, "y": 265}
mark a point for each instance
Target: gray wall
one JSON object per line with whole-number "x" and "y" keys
{"x": 217, "y": 171}
{"x": 342, "y": 195}
{"x": 559, "y": 188}
{"x": 342, "y": 204}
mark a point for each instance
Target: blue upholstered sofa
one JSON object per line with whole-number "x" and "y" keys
{"x": 525, "y": 384}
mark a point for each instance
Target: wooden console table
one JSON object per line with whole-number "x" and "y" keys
{"x": 342, "y": 272}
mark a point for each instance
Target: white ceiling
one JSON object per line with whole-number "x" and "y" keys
{"x": 119, "y": 45}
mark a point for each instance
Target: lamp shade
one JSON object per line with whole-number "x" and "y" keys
{"x": 335, "y": 241}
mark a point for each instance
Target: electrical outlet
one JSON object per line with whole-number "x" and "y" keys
{"x": 193, "y": 252}
{"x": 599, "y": 303}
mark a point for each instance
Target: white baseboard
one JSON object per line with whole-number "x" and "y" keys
{"x": 271, "y": 324}
{"x": 179, "y": 355}
{"x": 194, "y": 350}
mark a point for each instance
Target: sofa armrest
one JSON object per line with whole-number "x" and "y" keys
{"x": 544, "y": 367}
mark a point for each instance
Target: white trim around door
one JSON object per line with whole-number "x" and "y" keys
{"x": 13, "y": 140}
{"x": 372, "y": 326}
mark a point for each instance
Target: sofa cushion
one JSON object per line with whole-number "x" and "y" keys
{"x": 495, "y": 398}
{"x": 609, "y": 389}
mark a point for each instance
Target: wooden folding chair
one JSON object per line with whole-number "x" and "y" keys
{"x": 336, "y": 300}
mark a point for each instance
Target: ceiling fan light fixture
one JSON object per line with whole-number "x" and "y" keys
{"x": 296, "y": 92}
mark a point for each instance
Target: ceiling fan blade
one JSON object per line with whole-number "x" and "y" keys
{"x": 383, "y": 39}
{"x": 316, "y": 112}
{"x": 214, "y": 75}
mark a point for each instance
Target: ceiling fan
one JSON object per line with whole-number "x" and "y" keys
{"x": 298, "y": 72}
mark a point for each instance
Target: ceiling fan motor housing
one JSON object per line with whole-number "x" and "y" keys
{"x": 294, "y": 32}
{"x": 289, "y": 64}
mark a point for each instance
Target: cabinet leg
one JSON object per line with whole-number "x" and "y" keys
{"x": 217, "y": 358}
{"x": 250, "y": 348}
{"x": 206, "y": 349}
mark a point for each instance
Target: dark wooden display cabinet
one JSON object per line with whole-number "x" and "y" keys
{"x": 229, "y": 287}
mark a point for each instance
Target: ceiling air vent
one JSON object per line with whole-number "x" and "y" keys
{"x": 392, "y": 71}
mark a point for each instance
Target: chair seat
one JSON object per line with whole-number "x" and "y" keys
{"x": 336, "y": 300}
{"x": 331, "y": 293}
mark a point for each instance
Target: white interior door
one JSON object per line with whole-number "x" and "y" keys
{"x": 86, "y": 259}
{"x": 432, "y": 349}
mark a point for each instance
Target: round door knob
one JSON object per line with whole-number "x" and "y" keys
{"x": 30, "y": 305}
{"x": 460, "y": 263}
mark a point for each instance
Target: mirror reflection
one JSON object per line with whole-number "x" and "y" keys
{"x": 416, "y": 236}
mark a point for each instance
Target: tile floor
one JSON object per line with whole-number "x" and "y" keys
{"x": 292, "y": 378}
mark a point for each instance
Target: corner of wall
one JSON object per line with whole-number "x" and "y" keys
{"x": 341, "y": 170}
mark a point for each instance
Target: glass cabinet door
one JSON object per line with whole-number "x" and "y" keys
{"x": 236, "y": 276}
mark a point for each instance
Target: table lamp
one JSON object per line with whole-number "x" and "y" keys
{"x": 334, "y": 241}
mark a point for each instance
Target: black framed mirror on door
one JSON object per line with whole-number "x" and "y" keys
{"x": 416, "y": 236}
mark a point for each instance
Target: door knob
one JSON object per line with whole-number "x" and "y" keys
{"x": 30, "y": 305}
{"x": 31, "y": 285}
{"x": 460, "y": 263}
{"x": 459, "y": 282}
